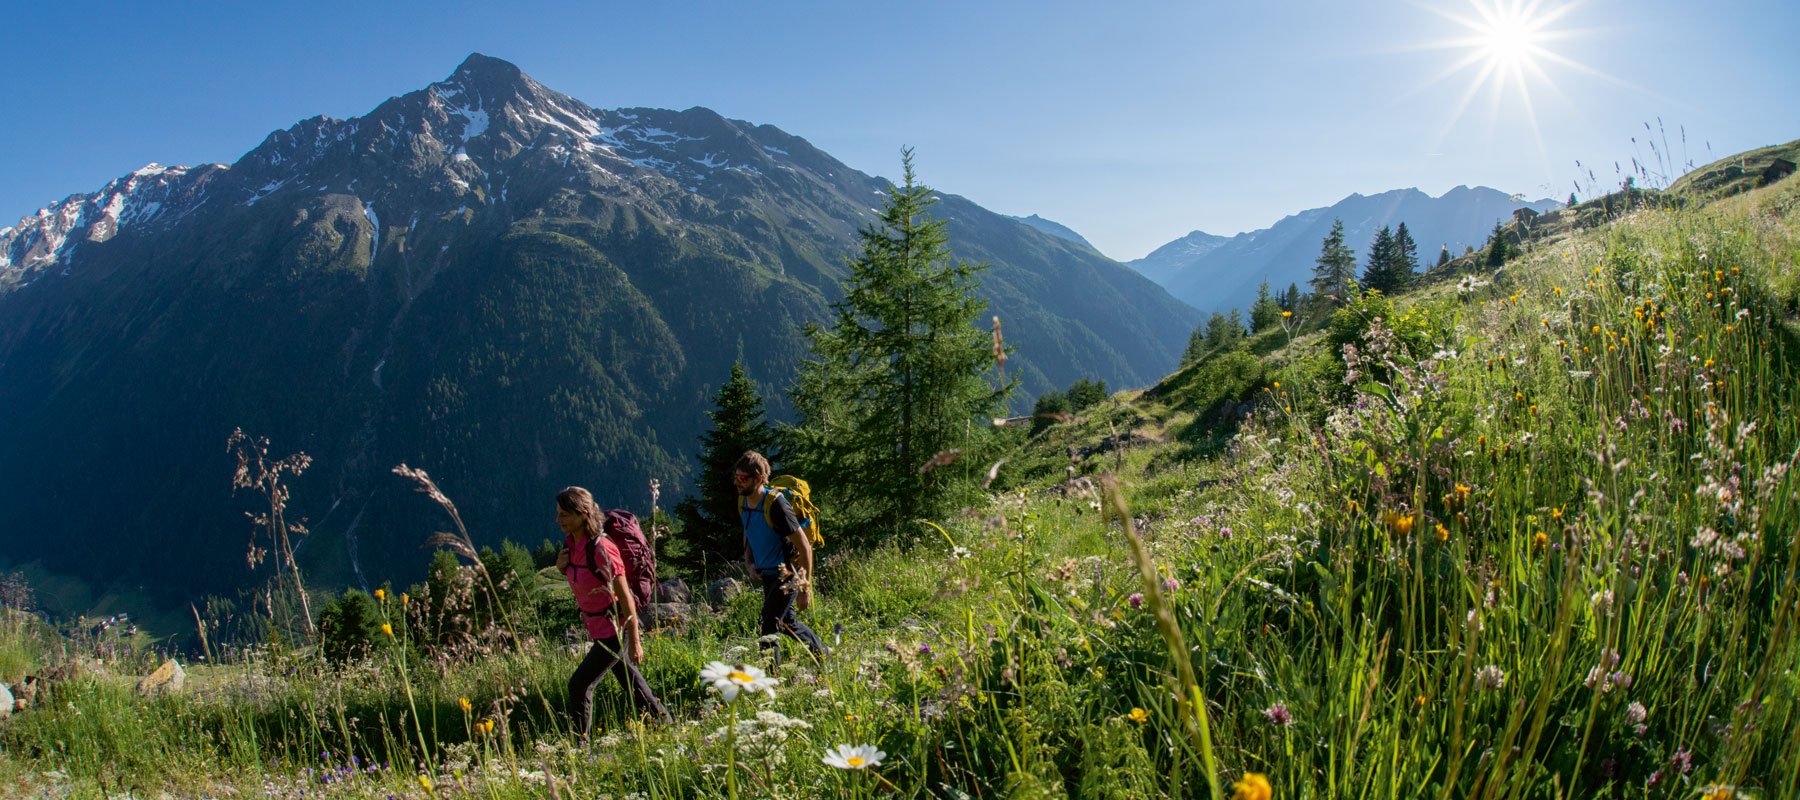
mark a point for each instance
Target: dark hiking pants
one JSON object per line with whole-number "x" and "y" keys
{"x": 604, "y": 657}
{"x": 778, "y": 616}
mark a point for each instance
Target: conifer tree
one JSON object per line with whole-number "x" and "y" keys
{"x": 1265, "y": 312}
{"x": 711, "y": 539}
{"x": 1334, "y": 269}
{"x": 1405, "y": 264}
{"x": 1380, "y": 271}
{"x": 1084, "y": 394}
{"x": 1497, "y": 249}
{"x": 1290, "y": 301}
{"x": 1196, "y": 346}
{"x": 1443, "y": 257}
{"x": 901, "y": 379}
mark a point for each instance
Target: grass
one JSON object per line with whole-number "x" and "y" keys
{"x": 1534, "y": 540}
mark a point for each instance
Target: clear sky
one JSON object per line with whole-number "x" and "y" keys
{"x": 1131, "y": 122}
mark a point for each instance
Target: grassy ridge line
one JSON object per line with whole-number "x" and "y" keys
{"x": 1577, "y": 425}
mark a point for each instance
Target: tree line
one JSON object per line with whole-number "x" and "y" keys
{"x": 1392, "y": 266}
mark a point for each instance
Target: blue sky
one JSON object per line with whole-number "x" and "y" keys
{"x": 1131, "y": 122}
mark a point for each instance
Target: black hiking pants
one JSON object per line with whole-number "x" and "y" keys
{"x": 605, "y": 657}
{"x": 778, "y": 615}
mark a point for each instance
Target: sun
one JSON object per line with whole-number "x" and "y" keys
{"x": 1508, "y": 49}
{"x": 1510, "y": 38}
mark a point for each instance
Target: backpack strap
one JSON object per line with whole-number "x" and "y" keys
{"x": 592, "y": 551}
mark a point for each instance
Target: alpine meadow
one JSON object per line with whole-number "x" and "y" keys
{"x": 872, "y": 491}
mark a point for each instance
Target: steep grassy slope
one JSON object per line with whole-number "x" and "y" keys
{"x": 1529, "y": 535}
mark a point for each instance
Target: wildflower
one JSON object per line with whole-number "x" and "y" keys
{"x": 862, "y": 756}
{"x": 1443, "y": 533}
{"x": 1635, "y": 713}
{"x": 1540, "y": 540}
{"x": 387, "y": 630}
{"x": 381, "y": 595}
{"x": 1136, "y": 600}
{"x": 1254, "y": 786}
{"x": 1286, "y": 314}
{"x": 1139, "y": 715}
{"x": 1490, "y": 677}
{"x": 466, "y": 705}
{"x": 1400, "y": 524}
{"x": 960, "y": 552}
{"x": 1683, "y": 760}
{"x": 1170, "y": 584}
{"x": 729, "y": 679}
{"x": 404, "y": 599}
{"x": 426, "y": 783}
{"x": 1278, "y": 715}
{"x": 485, "y": 727}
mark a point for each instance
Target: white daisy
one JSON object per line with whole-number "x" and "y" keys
{"x": 729, "y": 679}
{"x": 960, "y": 552}
{"x": 862, "y": 756}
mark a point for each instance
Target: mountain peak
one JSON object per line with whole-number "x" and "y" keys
{"x": 486, "y": 69}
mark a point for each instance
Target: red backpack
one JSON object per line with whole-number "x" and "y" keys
{"x": 640, "y": 561}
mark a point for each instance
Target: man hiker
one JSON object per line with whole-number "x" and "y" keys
{"x": 776, "y": 552}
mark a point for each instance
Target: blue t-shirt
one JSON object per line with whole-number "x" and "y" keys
{"x": 767, "y": 550}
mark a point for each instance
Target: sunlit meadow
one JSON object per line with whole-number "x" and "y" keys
{"x": 1525, "y": 533}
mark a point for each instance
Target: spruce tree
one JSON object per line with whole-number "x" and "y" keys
{"x": 1443, "y": 257}
{"x": 1334, "y": 269}
{"x": 1405, "y": 264}
{"x": 1497, "y": 249}
{"x": 1290, "y": 301}
{"x": 902, "y": 376}
{"x": 711, "y": 537}
{"x": 1379, "y": 274}
{"x": 1084, "y": 394}
{"x": 1265, "y": 312}
{"x": 1196, "y": 346}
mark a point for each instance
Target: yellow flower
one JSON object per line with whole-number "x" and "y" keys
{"x": 1286, "y": 314}
{"x": 387, "y": 630}
{"x": 1540, "y": 540}
{"x": 381, "y": 595}
{"x": 1400, "y": 524}
{"x": 1254, "y": 786}
{"x": 1443, "y": 533}
{"x": 404, "y": 599}
{"x": 1710, "y": 363}
{"x": 466, "y": 705}
{"x": 1556, "y": 513}
{"x": 1139, "y": 716}
{"x": 426, "y": 783}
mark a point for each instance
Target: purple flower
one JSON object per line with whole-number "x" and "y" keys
{"x": 1225, "y": 532}
{"x": 1136, "y": 600}
{"x": 1278, "y": 715}
{"x": 1170, "y": 584}
{"x": 1683, "y": 760}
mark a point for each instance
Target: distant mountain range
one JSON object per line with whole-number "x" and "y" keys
{"x": 1217, "y": 273}
{"x": 484, "y": 278}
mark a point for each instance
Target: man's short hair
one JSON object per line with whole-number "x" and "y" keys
{"x": 753, "y": 464}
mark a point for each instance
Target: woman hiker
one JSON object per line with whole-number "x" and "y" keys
{"x": 596, "y": 574}
{"x": 774, "y": 548}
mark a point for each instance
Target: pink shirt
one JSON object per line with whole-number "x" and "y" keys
{"x": 593, "y": 595}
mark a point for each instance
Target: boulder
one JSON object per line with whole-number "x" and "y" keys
{"x": 6, "y": 701}
{"x": 674, "y": 590}
{"x": 721, "y": 591}
{"x": 664, "y": 615}
{"x": 169, "y": 677}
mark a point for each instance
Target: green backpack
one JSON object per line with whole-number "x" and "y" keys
{"x": 799, "y": 496}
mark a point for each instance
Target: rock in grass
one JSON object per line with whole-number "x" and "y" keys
{"x": 721, "y": 591}
{"x": 6, "y": 701}
{"x": 674, "y": 590}
{"x": 169, "y": 677}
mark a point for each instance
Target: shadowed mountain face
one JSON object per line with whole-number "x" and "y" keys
{"x": 1217, "y": 273}
{"x": 483, "y": 278}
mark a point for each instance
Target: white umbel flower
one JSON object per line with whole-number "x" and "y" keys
{"x": 729, "y": 679}
{"x": 862, "y": 756}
